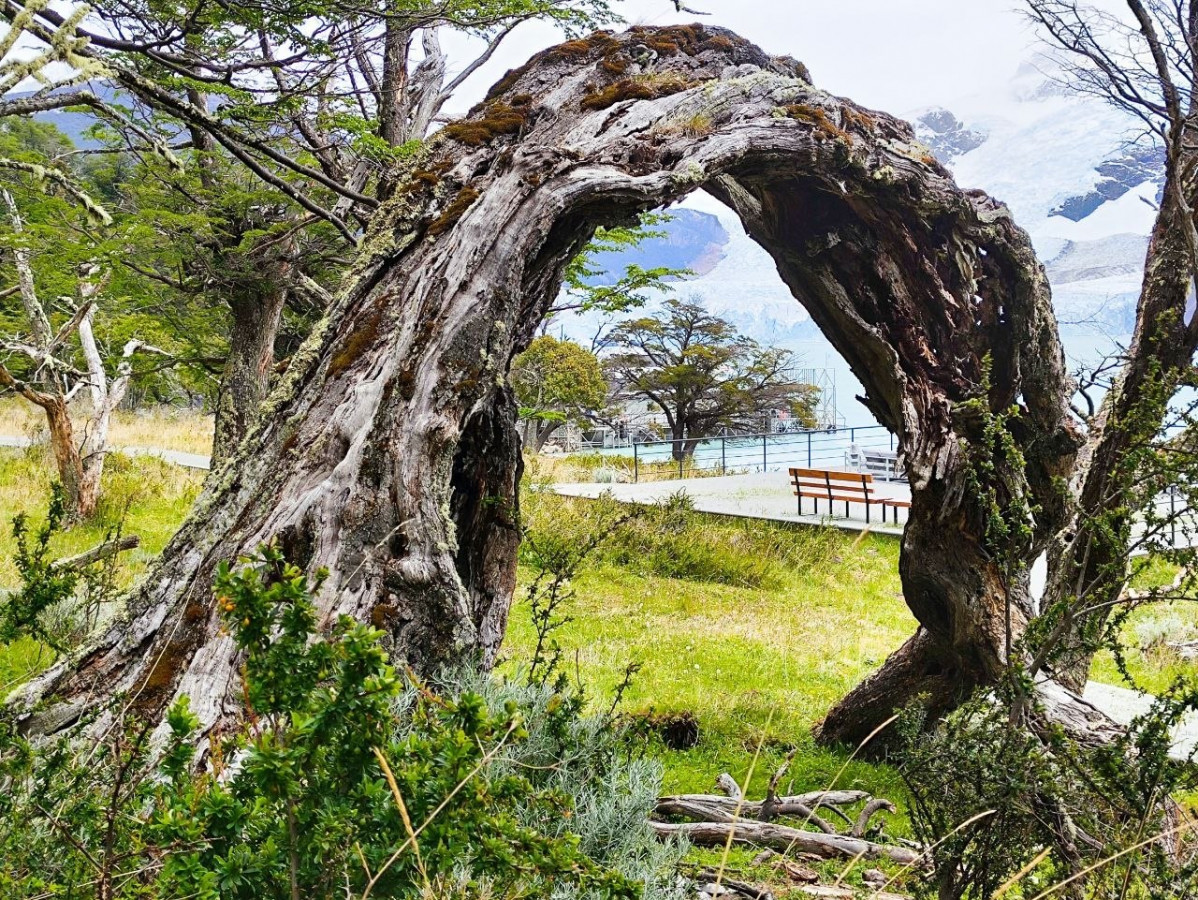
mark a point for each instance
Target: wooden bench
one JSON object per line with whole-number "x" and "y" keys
{"x": 846, "y": 487}
{"x": 896, "y": 505}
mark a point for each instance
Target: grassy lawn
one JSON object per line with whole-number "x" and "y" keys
{"x": 753, "y": 629}
{"x": 186, "y": 430}
{"x": 1148, "y": 632}
{"x": 142, "y": 496}
{"x": 752, "y": 664}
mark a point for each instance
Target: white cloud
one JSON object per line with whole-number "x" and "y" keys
{"x": 894, "y": 55}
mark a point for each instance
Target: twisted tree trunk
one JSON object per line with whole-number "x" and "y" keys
{"x": 388, "y": 453}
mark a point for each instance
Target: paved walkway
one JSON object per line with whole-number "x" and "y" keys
{"x": 763, "y": 495}
{"x": 178, "y": 457}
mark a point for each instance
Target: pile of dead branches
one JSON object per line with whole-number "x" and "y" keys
{"x": 786, "y": 827}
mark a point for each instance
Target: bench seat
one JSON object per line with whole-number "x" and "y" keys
{"x": 836, "y": 487}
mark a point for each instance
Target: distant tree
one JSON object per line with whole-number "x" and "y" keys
{"x": 555, "y": 382}
{"x": 703, "y": 376}
{"x": 53, "y": 381}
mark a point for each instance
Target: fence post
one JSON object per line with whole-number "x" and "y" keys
{"x": 681, "y": 461}
{"x": 636, "y": 463}
{"x": 763, "y": 454}
{"x": 808, "y": 449}
{"x": 852, "y": 435}
{"x": 892, "y": 442}
{"x": 723, "y": 455}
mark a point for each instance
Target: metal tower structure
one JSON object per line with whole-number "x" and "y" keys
{"x": 827, "y": 417}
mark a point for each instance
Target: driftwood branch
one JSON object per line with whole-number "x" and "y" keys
{"x": 843, "y": 893}
{"x": 769, "y": 807}
{"x": 728, "y": 785}
{"x": 103, "y": 551}
{"x": 868, "y": 812}
{"x": 716, "y": 819}
{"x": 704, "y": 804}
{"x": 785, "y": 838}
{"x": 710, "y": 878}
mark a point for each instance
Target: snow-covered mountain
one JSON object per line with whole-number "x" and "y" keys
{"x": 1075, "y": 175}
{"x": 1068, "y": 166}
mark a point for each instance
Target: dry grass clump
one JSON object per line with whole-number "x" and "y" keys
{"x": 640, "y": 87}
{"x": 818, "y": 117}
{"x": 499, "y": 118}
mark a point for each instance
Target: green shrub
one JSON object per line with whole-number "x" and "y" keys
{"x": 999, "y": 802}
{"x": 58, "y": 603}
{"x": 343, "y": 781}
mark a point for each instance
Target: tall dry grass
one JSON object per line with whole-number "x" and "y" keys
{"x": 169, "y": 428}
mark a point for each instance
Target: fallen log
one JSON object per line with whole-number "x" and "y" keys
{"x": 782, "y": 837}
{"x": 843, "y": 893}
{"x": 702, "y": 804}
{"x": 703, "y": 811}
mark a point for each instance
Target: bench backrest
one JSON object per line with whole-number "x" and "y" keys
{"x": 852, "y": 483}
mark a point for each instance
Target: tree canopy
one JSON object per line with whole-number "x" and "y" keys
{"x": 556, "y": 382}
{"x": 703, "y": 376}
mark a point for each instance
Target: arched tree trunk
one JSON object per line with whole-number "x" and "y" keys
{"x": 388, "y": 452}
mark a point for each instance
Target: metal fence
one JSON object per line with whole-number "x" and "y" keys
{"x": 742, "y": 453}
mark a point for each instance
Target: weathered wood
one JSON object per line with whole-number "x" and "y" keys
{"x": 781, "y": 837}
{"x": 831, "y": 892}
{"x": 106, "y": 550}
{"x": 871, "y": 809}
{"x": 728, "y": 785}
{"x": 794, "y": 872}
{"x": 752, "y": 808}
{"x": 721, "y": 809}
{"x": 387, "y": 453}
{"x": 708, "y": 878}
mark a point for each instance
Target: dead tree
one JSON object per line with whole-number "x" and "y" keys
{"x": 388, "y": 452}
{"x": 56, "y": 383}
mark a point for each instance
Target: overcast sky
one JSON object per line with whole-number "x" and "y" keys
{"x": 894, "y": 55}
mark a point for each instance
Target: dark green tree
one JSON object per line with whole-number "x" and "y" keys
{"x": 702, "y": 375}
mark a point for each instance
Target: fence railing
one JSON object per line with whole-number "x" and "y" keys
{"x": 743, "y": 453}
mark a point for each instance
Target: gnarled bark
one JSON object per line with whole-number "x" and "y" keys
{"x": 387, "y": 453}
